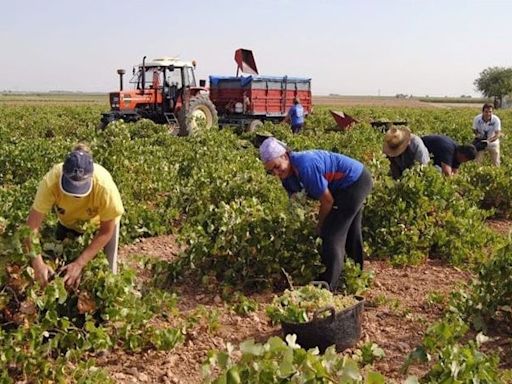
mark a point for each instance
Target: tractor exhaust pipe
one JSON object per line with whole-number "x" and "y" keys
{"x": 143, "y": 77}
{"x": 121, "y": 72}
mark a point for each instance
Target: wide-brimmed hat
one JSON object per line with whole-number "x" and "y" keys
{"x": 396, "y": 141}
{"x": 77, "y": 171}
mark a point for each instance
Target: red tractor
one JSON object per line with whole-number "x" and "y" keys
{"x": 164, "y": 91}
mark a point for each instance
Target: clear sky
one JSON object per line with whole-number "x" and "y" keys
{"x": 349, "y": 47}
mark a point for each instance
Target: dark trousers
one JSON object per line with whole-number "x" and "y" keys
{"x": 297, "y": 128}
{"x": 341, "y": 231}
{"x": 110, "y": 249}
{"x": 63, "y": 232}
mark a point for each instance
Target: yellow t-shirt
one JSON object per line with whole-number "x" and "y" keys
{"x": 103, "y": 203}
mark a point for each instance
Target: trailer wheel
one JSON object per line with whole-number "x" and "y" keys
{"x": 254, "y": 125}
{"x": 200, "y": 115}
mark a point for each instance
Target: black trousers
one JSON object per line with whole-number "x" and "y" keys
{"x": 341, "y": 232}
{"x": 111, "y": 248}
{"x": 297, "y": 128}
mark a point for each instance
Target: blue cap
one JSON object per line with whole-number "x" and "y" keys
{"x": 76, "y": 179}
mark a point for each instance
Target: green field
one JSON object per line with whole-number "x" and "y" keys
{"x": 234, "y": 230}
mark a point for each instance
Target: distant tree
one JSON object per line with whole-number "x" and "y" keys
{"x": 495, "y": 82}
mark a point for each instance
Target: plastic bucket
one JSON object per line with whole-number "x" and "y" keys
{"x": 342, "y": 329}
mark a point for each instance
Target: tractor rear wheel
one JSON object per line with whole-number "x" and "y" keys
{"x": 200, "y": 115}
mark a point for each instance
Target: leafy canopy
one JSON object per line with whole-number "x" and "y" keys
{"x": 495, "y": 81}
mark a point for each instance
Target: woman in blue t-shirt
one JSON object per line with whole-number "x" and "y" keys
{"x": 340, "y": 183}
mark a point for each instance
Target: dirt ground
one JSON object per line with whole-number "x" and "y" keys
{"x": 400, "y": 306}
{"x": 352, "y": 101}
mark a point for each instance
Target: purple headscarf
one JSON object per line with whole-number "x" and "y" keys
{"x": 271, "y": 149}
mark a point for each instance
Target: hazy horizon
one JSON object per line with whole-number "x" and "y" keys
{"x": 64, "y": 92}
{"x": 359, "y": 48}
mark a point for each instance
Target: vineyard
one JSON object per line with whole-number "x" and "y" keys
{"x": 206, "y": 236}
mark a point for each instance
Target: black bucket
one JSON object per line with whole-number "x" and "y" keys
{"x": 342, "y": 329}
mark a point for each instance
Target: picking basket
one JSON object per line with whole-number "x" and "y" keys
{"x": 343, "y": 328}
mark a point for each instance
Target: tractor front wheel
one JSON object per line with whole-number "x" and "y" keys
{"x": 200, "y": 115}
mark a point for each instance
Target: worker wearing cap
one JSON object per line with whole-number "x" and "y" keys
{"x": 403, "y": 150}
{"x": 81, "y": 192}
{"x": 295, "y": 116}
{"x": 340, "y": 183}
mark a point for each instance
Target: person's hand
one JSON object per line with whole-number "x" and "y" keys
{"x": 73, "y": 273}
{"x": 42, "y": 272}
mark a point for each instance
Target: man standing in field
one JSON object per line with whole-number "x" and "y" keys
{"x": 447, "y": 154}
{"x": 81, "y": 192}
{"x": 403, "y": 150}
{"x": 295, "y": 116}
{"x": 487, "y": 129}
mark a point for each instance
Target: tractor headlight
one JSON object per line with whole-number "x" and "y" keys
{"x": 114, "y": 102}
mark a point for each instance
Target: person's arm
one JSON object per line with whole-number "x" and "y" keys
{"x": 287, "y": 119}
{"x": 41, "y": 271}
{"x": 497, "y": 133}
{"x": 475, "y": 126}
{"x": 102, "y": 237}
{"x": 447, "y": 170}
{"x": 326, "y": 203}
{"x": 421, "y": 154}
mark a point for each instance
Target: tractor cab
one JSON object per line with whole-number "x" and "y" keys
{"x": 162, "y": 90}
{"x": 164, "y": 74}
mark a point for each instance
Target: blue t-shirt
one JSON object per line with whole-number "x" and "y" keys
{"x": 318, "y": 170}
{"x": 296, "y": 114}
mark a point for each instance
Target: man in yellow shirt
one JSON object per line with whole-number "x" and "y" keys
{"x": 81, "y": 191}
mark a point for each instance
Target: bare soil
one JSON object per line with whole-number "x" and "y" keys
{"x": 386, "y": 101}
{"x": 501, "y": 226}
{"x": 400, "y": 306}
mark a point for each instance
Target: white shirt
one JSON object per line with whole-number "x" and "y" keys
{"x": 485, "y": 130}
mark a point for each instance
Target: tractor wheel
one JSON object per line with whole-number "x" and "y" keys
{"x": 201, "y": 115}
{"x": 101, "y": 126}
{"x": 106, "y": 119}
{"x": 254, "y": 125}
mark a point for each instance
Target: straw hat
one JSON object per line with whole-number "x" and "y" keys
{"x": 396, "y": 141}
